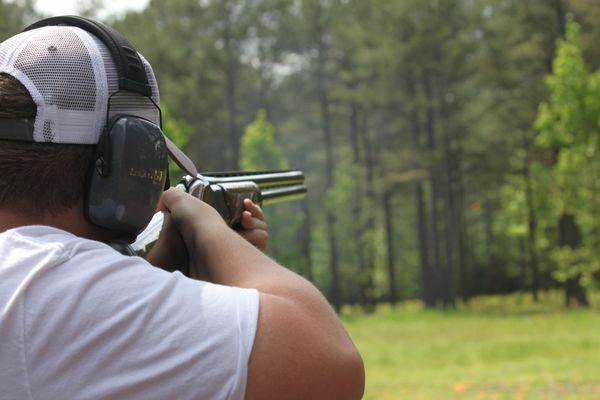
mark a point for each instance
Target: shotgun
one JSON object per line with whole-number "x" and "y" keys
{"x": 226, "y": 191}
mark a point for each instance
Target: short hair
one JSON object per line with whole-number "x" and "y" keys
{"x": 37, "y": 178}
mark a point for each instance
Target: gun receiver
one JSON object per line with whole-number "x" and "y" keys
{"x": 226, "y": 191}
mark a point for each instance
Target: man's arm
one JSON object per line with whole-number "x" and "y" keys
{"x": 301, "y": 349}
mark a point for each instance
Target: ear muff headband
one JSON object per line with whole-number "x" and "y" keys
{"x": 132, "y": 74}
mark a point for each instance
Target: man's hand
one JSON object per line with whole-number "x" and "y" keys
{"x": 170, "y": 252}
{"x": 254, "y": 227}
{"x": 185, "y": 218}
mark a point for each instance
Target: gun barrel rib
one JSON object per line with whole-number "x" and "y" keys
{"x": 263, "y": 179}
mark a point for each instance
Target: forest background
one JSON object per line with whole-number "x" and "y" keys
{"x": 451, "y": 147}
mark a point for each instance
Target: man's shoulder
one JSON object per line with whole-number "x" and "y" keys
{"x": 44, "y": 264}
{"x": 85, "y": 305}
{"x": 46, "y": 247}
{"x": 59, "y": 259}
{"x": 39, "y": 249}
{"x": 32, "y": 237}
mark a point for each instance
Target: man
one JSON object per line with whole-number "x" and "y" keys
{"x": 78, "y": 319}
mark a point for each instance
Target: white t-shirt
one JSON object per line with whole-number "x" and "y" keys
{"x": 80, "y": 321}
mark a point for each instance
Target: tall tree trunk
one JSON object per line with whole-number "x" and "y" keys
{"x": 354, "y": 132}
{"x": 488, "y": 222}
{"x": 304, "y": 236}
{"x": 449, "y": 200}
{"x": 531, "y": 223}
{"x": 358, "y": 203}
{"x": 523, "y": 263}
{"x": 569, "y": 235}
{"x": 264, "y": 79}
{"x": 369, "y": 160}
{"x": 568, "y": 231}
{"x": 389, "y": 235}
{"x": 230, "y": 90}
{"x": 437, "y": 287}
{"x": 560, "y": 12}
{"x": 449, "y": 233}
{"x": 461, "y": 260}
{"x": 426, "y": 277}
{"x": 329, "y": 178}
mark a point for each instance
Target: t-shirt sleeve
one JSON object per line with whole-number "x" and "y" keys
{"x": 101, "y": 325}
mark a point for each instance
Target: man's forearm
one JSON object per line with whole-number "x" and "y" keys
{"x": 230, "y": 260}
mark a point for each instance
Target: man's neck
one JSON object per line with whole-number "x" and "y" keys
{"x": 71, "y": 221}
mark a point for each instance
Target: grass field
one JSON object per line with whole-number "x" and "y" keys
{"x": 496, "y": 347}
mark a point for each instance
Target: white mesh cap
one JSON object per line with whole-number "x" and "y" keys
{"x": 70, "y": 74}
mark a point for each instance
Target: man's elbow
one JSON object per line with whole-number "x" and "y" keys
{"x": 350, "y": 379}
{"x": 357, "y": 373}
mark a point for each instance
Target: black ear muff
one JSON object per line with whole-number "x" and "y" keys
{"x": 127, "y": 175}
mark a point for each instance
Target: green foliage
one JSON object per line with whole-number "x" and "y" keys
{"x": 13, "y": 16}
{"x": 180, "y": 132}
{"x": 439, "y": 94}
{"x": 576, "y": 262}
{"x": 177, "y": 129}
{"x": 571, "y": 114}
{"x": 569, "y": 124}
{"x": 259, "y": 152}
{"x": 258, "y": 148}
{"x": 348, "y": 201}
{"x": 348, "y": 192}
{"x": 513, "y": 201}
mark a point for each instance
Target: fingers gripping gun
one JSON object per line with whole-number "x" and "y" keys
{"x": 226, "y": 191}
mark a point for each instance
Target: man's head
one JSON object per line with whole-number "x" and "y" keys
{"x": 37, "y": 178}
{"x": 63, "y": 89}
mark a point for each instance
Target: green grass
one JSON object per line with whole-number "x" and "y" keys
{"x": 496, "y": 347}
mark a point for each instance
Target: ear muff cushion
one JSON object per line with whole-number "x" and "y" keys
{"x": 127, "y": 176}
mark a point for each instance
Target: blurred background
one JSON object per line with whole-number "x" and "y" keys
{"x": 451, "y": 149}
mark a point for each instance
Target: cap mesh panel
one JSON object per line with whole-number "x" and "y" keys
{"x": 58, "y": 64}
{"x": 59, "y": 73}
{"x": 47, "y": 133}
